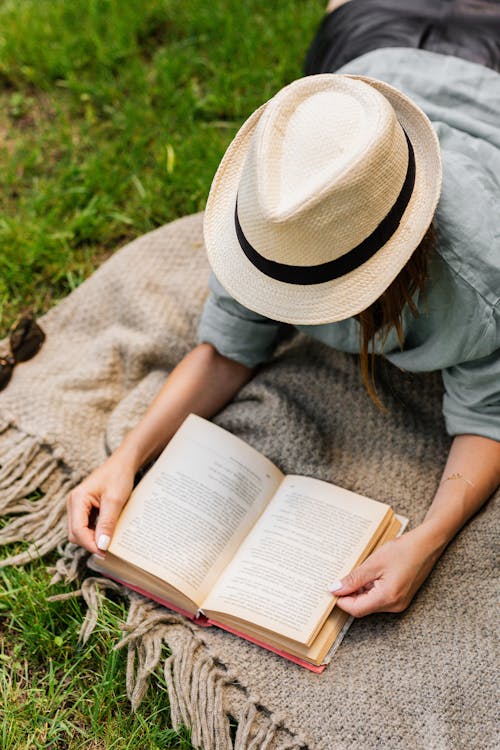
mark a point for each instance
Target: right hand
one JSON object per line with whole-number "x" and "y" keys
{"x": 106, "y": 490}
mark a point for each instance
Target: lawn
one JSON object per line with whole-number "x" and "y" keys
{"x": 113, "y": 118}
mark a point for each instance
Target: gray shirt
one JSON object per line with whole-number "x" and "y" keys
{"x": 458, "y": 328}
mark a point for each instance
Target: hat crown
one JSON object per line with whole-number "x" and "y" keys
{"x": 326, "y": 163}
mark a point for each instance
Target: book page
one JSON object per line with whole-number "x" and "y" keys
{"x": 333, "y": 629}
{"x": 191, "y": 511}
{"x": 311, "y": 534}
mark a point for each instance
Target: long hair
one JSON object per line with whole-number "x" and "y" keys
{"x": 387, "y": 311}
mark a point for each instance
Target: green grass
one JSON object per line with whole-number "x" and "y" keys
{"x": 113, "y": 117}
{"x": 54, "y": 693}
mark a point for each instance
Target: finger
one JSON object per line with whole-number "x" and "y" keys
{"x": 108, "y": 515}
{"x": 365, "y": 603}
{"x": 365, "y": 575}
{"x": 80, "y": 505}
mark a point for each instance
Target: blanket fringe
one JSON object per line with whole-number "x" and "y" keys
{"x": 70, "y": 564}
{"x": 203, "y": 694}
{"x": 28, "y": 465}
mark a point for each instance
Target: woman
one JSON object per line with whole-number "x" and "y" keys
{"x": 323, "y": 215}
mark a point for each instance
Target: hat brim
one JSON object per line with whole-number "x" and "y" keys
{"x": 348, "y": 295}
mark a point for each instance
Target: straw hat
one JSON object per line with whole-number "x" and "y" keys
{"x": 321, "y": 198}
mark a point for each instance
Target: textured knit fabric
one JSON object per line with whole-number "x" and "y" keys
{"x": 423, "y": 680}
{"x": 458, "y": 329}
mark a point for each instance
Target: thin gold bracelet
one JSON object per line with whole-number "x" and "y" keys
{"x": 457, "y": 475}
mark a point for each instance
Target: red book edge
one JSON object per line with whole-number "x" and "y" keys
{"x": 205, "y": 622}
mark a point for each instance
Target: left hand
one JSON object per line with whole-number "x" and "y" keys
{"x": 389, "y": 578}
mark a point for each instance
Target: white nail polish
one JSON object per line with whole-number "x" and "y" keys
{"x": 103, "y": 542}
{"x": 335, "y": 586}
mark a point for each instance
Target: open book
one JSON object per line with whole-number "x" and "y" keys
{"x": 215, "y": 531}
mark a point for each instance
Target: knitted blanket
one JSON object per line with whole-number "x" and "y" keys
{"x": 421, "y": 679}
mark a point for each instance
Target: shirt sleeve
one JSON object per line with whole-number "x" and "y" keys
{"x": 235, "y": 331}
{"x": 471, "y": 403}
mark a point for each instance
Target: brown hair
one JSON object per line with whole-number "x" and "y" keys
{"x": 386, "y": 312}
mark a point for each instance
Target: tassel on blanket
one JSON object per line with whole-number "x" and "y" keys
{"x": 28, "y": 465}
{"x": 70, "y": 564}
{"x": 203, "y": 694}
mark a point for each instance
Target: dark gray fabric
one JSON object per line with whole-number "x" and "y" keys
{"x": 469, "y": 29}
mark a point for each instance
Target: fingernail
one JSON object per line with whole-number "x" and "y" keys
{"x": 335, "y": 586}
{"x": 103, "y": 542}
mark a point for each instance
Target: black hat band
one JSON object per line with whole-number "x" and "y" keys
{"x": 334, "y": 269}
